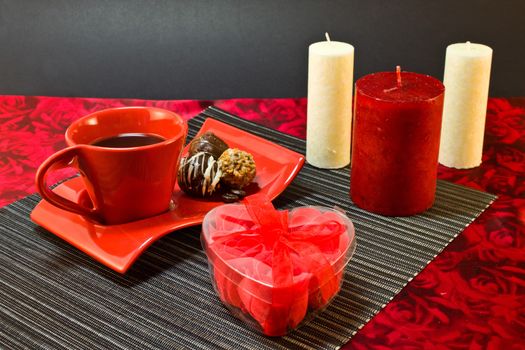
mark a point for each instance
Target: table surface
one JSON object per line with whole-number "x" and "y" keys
{"x": 472, "y": 296}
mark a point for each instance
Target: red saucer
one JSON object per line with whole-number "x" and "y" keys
{"x": 118, "y": 246}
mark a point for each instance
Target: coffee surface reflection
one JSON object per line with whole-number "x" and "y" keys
{"x": 128, "y": 140}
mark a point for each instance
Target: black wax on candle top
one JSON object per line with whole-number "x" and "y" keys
{"x": 405, "y": 87}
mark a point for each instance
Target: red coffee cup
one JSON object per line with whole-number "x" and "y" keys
{"x": 123, "y": 184}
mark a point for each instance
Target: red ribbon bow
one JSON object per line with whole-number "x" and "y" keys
{"x": 270, "y": 227}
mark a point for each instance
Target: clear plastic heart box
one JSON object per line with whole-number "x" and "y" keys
{"x": 276, "y": 269}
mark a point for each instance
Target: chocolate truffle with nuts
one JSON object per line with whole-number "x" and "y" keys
{"x": 237, "y": 167}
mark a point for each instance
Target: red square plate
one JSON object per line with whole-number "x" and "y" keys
{"x": 118, "y": 246}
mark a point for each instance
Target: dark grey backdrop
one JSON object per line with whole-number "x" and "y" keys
{"x": 220, "y": 49}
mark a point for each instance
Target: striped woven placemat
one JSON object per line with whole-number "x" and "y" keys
{"x": 54, "y": 296}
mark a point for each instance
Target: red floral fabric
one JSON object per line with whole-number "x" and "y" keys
{"x": 472, "y": 296}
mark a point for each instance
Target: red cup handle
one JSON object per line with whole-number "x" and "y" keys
{"x": 59, "y": 160}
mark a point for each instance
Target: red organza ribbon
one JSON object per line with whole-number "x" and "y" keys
{"x": 273, "y": 266}
{"x": 270, "y": 227}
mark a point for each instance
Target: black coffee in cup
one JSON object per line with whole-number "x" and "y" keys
{"x": 128, "y": 140}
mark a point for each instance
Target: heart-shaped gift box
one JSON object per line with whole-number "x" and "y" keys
{"x": 276, "y": 269}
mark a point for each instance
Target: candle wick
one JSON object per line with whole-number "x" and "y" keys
{"x": 468, "y": 45}
{"x": 327, "y": 36}
{"x": 398, "y": 75}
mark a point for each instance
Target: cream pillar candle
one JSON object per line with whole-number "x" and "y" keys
{"x": 329, "y": 111}
{"x": 466, "y": 80}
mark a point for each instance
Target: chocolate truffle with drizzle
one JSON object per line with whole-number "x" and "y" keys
{"x": 199, "y": 175}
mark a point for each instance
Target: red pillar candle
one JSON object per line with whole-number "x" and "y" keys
{"x": 395, "y": 142}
